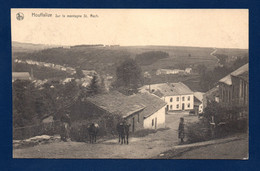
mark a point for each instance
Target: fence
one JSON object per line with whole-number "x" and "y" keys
{"x": 34, "y": 130}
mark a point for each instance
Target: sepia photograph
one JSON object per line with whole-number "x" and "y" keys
{"x": 130, "y": 83}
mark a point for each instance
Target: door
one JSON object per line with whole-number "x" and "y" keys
{"x": 155, "y": 123}
{"x": 133, "y": 127}
{"x": 182, "y": 106}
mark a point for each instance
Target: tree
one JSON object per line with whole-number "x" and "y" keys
{"x": 79, "y": 74}
{"x": 23, "y": 103}
{"x": 129, "y": 76}
{"x": 93, "y": 86}
{"x": 201, "y": 69}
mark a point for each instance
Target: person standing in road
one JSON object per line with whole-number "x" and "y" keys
{"x": 65, "y": 126}
{"x": 181, "y": 129}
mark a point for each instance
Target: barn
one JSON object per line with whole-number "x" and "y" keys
{"x": 118, "y": 104}
{"x": 142, "y": 110}
{"x": 154, "y": 111}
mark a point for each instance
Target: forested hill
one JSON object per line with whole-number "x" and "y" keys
{"x": 29, "y": 47}
{"x": 100, "y": 59}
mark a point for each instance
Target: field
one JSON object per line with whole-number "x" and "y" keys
{"x": 105, "y": 59}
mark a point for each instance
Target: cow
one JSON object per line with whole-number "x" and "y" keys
{"x": 92, "y": 131}
{"x": 123, "y": 132}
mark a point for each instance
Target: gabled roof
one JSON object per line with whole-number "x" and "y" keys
{"x": 152, "y": 103}
{"x": 227, "y": 79}
{"x": 158, "y": 93}
{"x": 197, "y": 102}
{"x": 244, "y": 76}
{"x": 116, "y": 103}
{"x": 199, "y": 96}
{"x": 213, "y": 92}
{"x": 172, "y": 89}
{"x": 168, "y": 89}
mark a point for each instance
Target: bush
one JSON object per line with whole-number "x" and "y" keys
{"x": 198, "y": 131}
{"x": 107, "y": 127}
{"x": 79, "y": 132}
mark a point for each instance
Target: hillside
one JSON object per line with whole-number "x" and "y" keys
{"x": 104, "y": 59}
{"x": 29, "y": 47}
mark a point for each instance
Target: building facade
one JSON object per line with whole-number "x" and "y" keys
{"x": 179, "y": 102}
{"x": 141, "y": 110}
{"x": 154, "y": 111}
{"x": 234, "y": 88}
{"x": 177, "y": 96}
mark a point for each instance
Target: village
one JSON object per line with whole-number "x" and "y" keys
{"x": 156, "y": 107}
{"x": 130, "y": 83}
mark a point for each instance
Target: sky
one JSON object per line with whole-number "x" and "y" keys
{"x": 221, "y": 28}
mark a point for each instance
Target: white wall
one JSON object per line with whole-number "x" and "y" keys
{"x": 160, "y": 115}
{"x": 174, "y": 102}
{"x": 201, "y": 108}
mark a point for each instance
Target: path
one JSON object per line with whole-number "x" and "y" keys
{"x": 143, "y": 147}
{"x": 212, "y": 54}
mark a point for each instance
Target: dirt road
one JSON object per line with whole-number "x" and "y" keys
{"x": 144, "y": 147}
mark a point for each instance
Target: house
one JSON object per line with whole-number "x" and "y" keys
{"x": 234, "y": 88}
{"x": 67, "y": 80}
{"x": 154, "y": 111}
{"x": 210, "y": 96}
{"x": 178, "y": 96}
{"x": 188, "y": 70}
{"x": 20, "y": 76}
{"x": 89, "y": 72}
{"x": 167, "y": 71}
{"x": 139, "y": 110}
{"x": 115, "y": 103}
{"x": 198, "y": 102}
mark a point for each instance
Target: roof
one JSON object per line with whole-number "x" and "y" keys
{"x": 213, "y": 92}
{"x": 197, "y": 102}
{"x": 116, "y": 103}
{"x": 158, "y": 93}
{"x": 172, "y": 89}
{"x": 152, "y": 103}
{"x": 199, "y": 95}
{"x": 20, "y": 75}
{"x": 244, "y": 76}
{"x": 227, "y": 79}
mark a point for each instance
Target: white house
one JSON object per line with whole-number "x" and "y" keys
{"x": 154, "y": 111}
{"x": 167, "y": 71}
{"x": 177, "y": 95}
{"x": 21, "y": 76}
{"x": 188, "y": 70}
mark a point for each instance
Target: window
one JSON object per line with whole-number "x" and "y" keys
{"x": 183, "y": 98}
{"x": 171, "y": 107}
{"x": 177, "y": 99}
{"x": 171, "y": 100}
{"x": 188, "y": 98}
{"x": 188, "y": 105}
{"x": 152, "y": 122}
{"x": 177, "y": 106}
